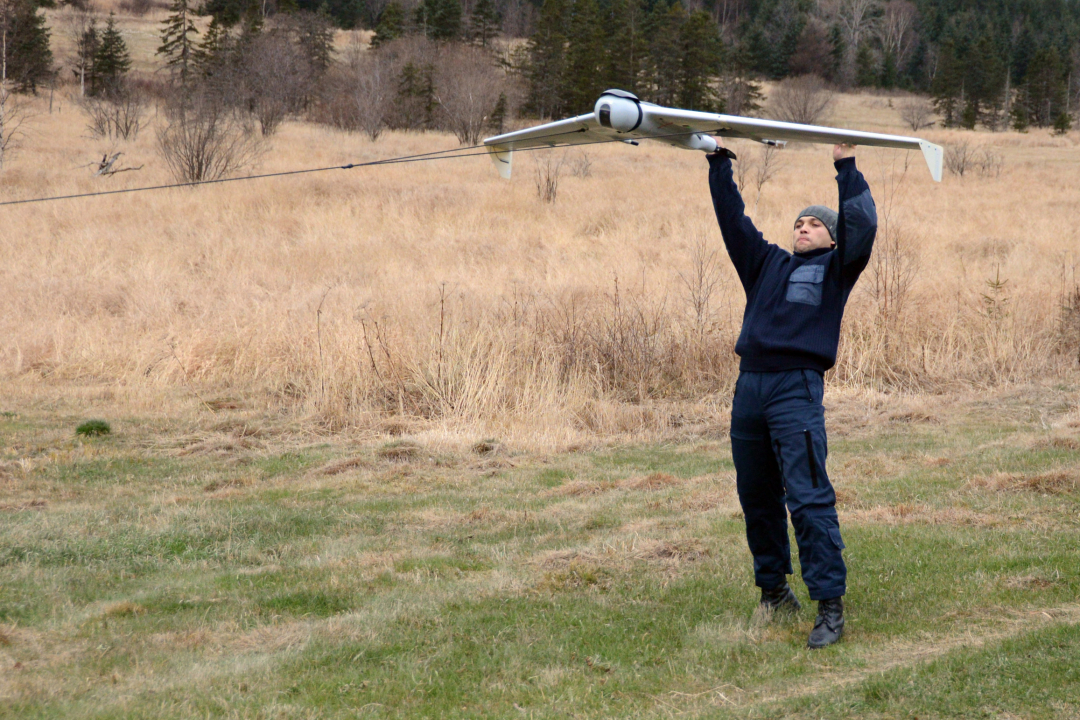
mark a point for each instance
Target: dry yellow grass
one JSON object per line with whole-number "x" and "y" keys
{"x": 439, "y": 292}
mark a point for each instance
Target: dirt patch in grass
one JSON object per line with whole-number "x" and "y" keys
{"x": 221, "y": 446}
{"x": 1029, "y": 582}
{"x": 339, "y": 466}
{"x": 915, "y": 514}
{"x": 123, "y": 609}
{"x": 1058, "y": 442}
{"x": 653, "y": 481}
{"x": 226, "y": 484}
{"x": 703, "y": 501}
{"x": 401, "y": 452}
{"x": 1053, "y": 482}
{"x": 577, "y": 575}
{"x": 674, "y": 551}
{"x": 29, "y": 505}
{"x": 914, "y": 416}
{"x": 582, "y": 488}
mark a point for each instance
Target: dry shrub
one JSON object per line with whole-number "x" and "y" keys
{"x": 206, "y": 138}
{"x": 806, "y": 99}
{"x": 962, "y": 156}
{"x": 917, "y": 113}
{"x": 359, "y": 92}
{"x": 118, "y": 114}
{"x": 548, "y": 171}
{"x": 1053, "y": 482}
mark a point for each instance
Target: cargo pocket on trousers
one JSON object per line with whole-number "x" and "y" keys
{"x": 834, "y": 534}
{"x": 804, "y": 284}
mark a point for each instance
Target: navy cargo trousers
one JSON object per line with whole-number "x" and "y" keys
{"x": 778, "y": 445}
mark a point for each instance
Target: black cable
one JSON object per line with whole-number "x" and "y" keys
{"x": 421, "y": 157}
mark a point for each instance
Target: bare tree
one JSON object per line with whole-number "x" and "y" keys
{"x": 13, "y": 114}
{"x": 206, "y": 138}
{"x": 278, "y": 78}
{"x": 744, "y": 168}
{"x": 118, "y": 114}
{"x": 702, "y": 281}
{"x": 359, "y": 93}
{"x": 467, "y": 89}
{"x": 856, "y": 19}
{"x": 806, "y": 99}
{"x": 897, "y": 29}
{"x": 917, "y": 113}
{"x": 76, "y": 22}
{"x": 765, "y": 169}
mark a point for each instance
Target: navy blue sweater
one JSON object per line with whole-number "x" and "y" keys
{"x": 794, "y": 302}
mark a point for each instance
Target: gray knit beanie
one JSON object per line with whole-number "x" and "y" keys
{"x": 825, "y": 215}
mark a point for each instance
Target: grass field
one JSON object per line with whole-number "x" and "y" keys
{"x": 408, "y": 442}
{"x": 242, "y": 567}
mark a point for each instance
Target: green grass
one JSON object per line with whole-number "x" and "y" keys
{"x": 272, "y": 580}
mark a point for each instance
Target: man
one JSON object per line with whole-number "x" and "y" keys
{"x": 791, "y": 328}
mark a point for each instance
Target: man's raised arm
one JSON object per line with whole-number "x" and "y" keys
{"x": 857, "y": 224}
{"x": 745, "y": 245}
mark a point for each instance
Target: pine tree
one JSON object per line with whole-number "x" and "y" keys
{"x": 497, "y": 119}
{"x": 111, "y": 60}
{"x": 583, "y": 78}
{"x": 839, "y": 50}
{"x": 624, "y": 43}
{"x": 701, "y": 55}
{"x": 1023, "y": 49}
{"x": 27, "y": 58}
{"x": 865, "y": 68}
{"x": 178, "y": 39}
{"x": 665, "y": 52}
{"x": 1062, "y": 124}
{"x": 984, "y": 80}
{"x": 315, "y": 38}
{"x": 391, "y": 24}
{"x": 484, "y": 22}
{"x": 439, "y": 19}
{"x": 756, "y": 50}
{"x": 215, "y": 49}
{"x": 85, "y": 48}
{"x": 948, "y": 86}
{"x": 547, "y": 60}
{"x": 416, "y": 96}
{"x": 1044, "y": 89}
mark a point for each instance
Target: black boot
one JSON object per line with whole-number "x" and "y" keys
{"x": 780, "y": 599}
{"x": 829, "y": 625}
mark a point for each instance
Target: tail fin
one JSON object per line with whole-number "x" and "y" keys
{"x": 503, "y": 157}
{"x": 933, "y": 155}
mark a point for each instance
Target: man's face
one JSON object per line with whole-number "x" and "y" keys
{"x": 810, "y": 234}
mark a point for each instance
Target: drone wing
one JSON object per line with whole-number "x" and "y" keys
{"x": 620, "y": 116}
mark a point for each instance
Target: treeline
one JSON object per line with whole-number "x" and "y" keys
{"x": 994, "y": 64}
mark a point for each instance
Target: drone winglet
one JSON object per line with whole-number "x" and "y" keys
{"x": 619, "y": 115}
